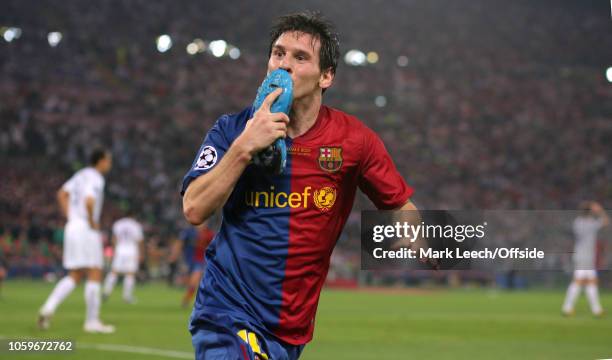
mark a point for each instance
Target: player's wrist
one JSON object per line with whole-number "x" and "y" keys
{"x": 244, "y": 150}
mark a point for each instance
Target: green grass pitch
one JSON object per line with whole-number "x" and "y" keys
{"x": 394, "y": 324}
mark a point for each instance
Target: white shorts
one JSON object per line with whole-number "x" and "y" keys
{"x": 125, "y": 263}
{"x": 82, "y": 247}
{"x": 585, "y": 274}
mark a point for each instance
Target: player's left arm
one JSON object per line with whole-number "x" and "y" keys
{"x": 601, "y": 213}
{"x": 383, "y": 184}
{"x": 410, "y": 213}
{"x": 409, "y": 205}
{"x": 141, "y": 251}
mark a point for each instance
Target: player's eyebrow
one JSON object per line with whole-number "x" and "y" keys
{"x": 303, "y": 53}
{"x": 296, "y": 52}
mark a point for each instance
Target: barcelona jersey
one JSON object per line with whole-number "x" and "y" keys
{"x": 268, "y": 262}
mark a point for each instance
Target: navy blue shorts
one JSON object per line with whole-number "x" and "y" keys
{"x": 214, "y": 342}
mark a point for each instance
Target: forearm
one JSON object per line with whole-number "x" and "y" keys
{"x": 209, "y": 192}
{"x": 62, "y": 200}
{"x": 407, "y": 213}
{"x": 89, "y": 206}
{"x": 141, "y": 251}
{"x": 600, "y": 212}
{"x": 605, "y": 220}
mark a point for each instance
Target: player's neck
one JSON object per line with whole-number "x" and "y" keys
{"x": 98, "y": 169}
{"x": 304, "y": 113}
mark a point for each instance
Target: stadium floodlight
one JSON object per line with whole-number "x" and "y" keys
{"x": 403, "y": 60}
{"x": 164, "y": 43}
{"x": 192, "y": 48}
{"x": 218, "y": 47}
{"x": 54, "y": 38}
{"x": 11, "y": 33}
{"x": 380, "y": 101}
{"x": 372, "y": 57}
{"x": 355, "y": 58}
{"x": 609, "y": 74}
{"x": 200, "y": 44}
{"x": 234, "y": 53}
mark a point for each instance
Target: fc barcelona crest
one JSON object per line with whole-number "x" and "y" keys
{"x": 330, "y": 158}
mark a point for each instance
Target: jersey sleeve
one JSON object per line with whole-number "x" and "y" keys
{"x": 116, "y": 229}
{"x": 378, "y": 176}
{"x": 92, "y": 186}
{"x": 215, "y": 145}
{"x": 139, "y": 233}
{"x": 69, "y": 185}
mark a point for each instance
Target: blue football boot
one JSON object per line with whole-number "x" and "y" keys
{"x": 274, "y": 158}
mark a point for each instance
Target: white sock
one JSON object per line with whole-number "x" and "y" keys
{"x": 128, "y": 286}
{"x": 92, "y": 300}
{"x": 109, "y": 283}
{"x": 62, "y": 289}
{"x": 593, "y": 296}
{"x": 570, "y": 299}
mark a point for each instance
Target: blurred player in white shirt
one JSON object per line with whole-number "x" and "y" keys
{"x": 128, "y": 239}
{"x": 80, "y": 200}
{"x": 592, "y": 218}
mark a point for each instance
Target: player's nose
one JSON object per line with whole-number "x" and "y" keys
{"x": 285, "y": 65}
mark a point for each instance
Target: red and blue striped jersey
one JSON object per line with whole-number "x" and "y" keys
{"x": 268, "y": 262}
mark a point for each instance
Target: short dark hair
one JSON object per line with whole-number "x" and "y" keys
{"x": 314, "y": 24}
{"x": 96, "y": 155}
{"x": 585, "y": 208}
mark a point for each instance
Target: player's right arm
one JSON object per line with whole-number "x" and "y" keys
{"x": 89, "y": 206}
{"x": 210, "y": 191}
{"x": 599, "y": 211}
{"x": 63, "y": 198}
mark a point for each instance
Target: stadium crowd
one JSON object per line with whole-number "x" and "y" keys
{"x": 492, "y": 105}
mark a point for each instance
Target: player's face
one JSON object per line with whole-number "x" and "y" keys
{"x": 107, "y": 163}
{"x": 298, "y": 53}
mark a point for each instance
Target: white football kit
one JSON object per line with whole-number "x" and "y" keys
{"x": 128, "y": 233}
{"x": 585, "y": 230}
{"x": 82, "y": 244}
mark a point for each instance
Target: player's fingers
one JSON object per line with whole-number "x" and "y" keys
{"x": 284, "y": 118}
{"x": 400, "y": 244}
{"x": 280, "y": 126}
{"x": 280, "y": 117}
{"x": 269, "y": 100}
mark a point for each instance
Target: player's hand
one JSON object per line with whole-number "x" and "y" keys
{"x": 417, "y": 245}
{"x": 265, "y": 127}
{"x": 596, "y": 207}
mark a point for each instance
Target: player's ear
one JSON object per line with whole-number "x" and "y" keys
{"x": 326, "y": 79}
